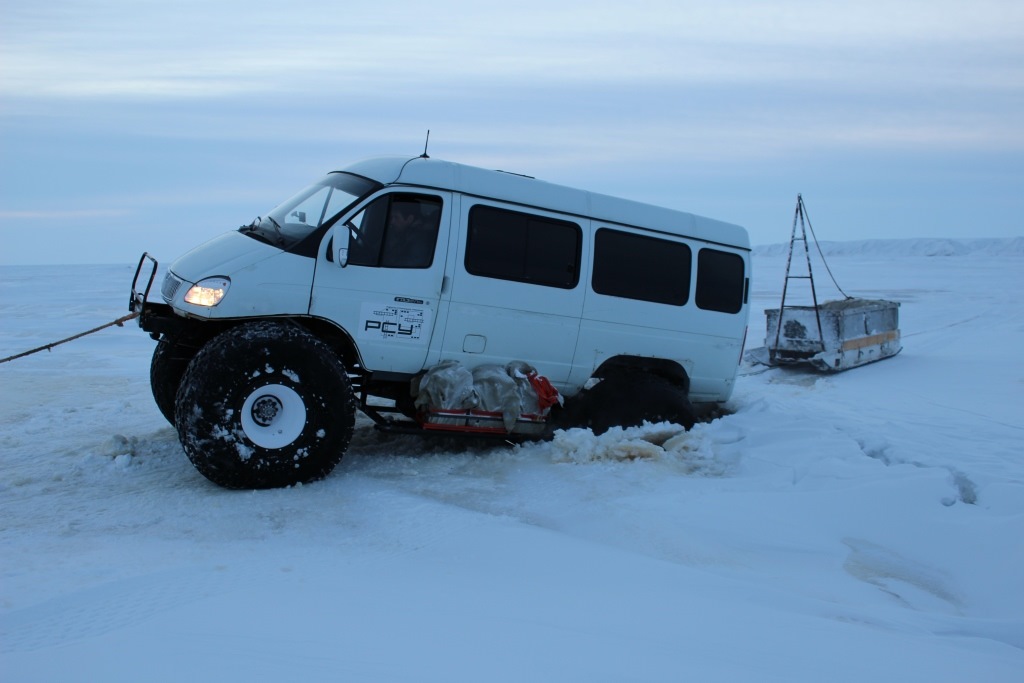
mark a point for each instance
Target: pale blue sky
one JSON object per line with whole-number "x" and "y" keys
{"x": 130, "y": 125}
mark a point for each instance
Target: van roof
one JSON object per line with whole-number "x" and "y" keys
{"x": 520, "y": 189}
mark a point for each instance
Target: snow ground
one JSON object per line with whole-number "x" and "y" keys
{"x": 861, "y": 526}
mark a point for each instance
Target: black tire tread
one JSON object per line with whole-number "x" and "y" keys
{"x": 210, "y": 396}
{"x": 166, "y": 370}
{"x": 627, "y": 398}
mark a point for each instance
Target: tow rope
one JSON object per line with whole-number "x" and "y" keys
{"x": 119, "y": 322}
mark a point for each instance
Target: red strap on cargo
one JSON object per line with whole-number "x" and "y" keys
{"x": 547, "y": 395}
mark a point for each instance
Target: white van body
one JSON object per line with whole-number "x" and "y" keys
{"x": 456, "y": 315}
{"x": 521, "y": 270}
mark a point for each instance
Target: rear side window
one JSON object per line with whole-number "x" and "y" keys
{"x": 720, "y": 281}
{"x": 640, "y": 267}
{"x": 523, "y": 247}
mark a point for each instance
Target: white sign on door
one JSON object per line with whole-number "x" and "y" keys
{"x": 394, "y": 322}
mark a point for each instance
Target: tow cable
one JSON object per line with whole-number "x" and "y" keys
{"x": 119, "y": 322}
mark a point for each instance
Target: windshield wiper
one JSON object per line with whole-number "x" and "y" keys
{"x": 253, "y": 229}
{"x": 277, "y": 226}
{"x": 280, "y": 235}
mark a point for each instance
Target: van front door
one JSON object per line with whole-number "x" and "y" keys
{"x": 379, "y": 276}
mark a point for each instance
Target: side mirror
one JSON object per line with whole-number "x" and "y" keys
{"x": 350, "y": 234}
{"x": 342, "y": 258}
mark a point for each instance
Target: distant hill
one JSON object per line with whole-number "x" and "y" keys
{"x": 1009, "y": 246}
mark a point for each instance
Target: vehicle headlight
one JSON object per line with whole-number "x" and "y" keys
{"x": 207, "y": 292}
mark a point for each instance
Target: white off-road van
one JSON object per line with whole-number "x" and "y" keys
{"x": 437, "y": 297}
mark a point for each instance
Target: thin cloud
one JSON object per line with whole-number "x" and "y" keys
{"x": 68, "y": 214}
{"x": 214, "y": 50}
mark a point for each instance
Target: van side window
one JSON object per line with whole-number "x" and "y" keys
{"x": 510, "y": 245}
{"x": 640, "y": 267}
{"x": 720, "y": 281}
{"x": 398, "y": 230}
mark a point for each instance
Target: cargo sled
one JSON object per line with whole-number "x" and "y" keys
{"x": 829, "y": 336}
{"x": 835, "y": 335}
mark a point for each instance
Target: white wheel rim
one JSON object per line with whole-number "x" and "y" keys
{"x": 273, "y": 416}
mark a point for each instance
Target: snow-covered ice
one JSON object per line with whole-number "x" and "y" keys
{"x": 861, "y": 526}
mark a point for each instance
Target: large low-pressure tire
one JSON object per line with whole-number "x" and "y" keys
{"x": 626, "y": 398}
{"x": 170, "y": 360}
{"x": 265, "y": 405}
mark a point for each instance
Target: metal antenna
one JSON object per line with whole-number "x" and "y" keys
{"x": 424, "y": 155}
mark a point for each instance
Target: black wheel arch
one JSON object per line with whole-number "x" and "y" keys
{"x": 180, "y": 339}
{"x": 662, "y": 367}
{"x": 197, "y": 332}
{"x": 336, "y": 337}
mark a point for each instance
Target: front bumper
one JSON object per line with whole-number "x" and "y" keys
{"x": 155, "y": 318}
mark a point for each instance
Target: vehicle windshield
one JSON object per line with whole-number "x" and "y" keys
{"x": 314, "y": 207}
